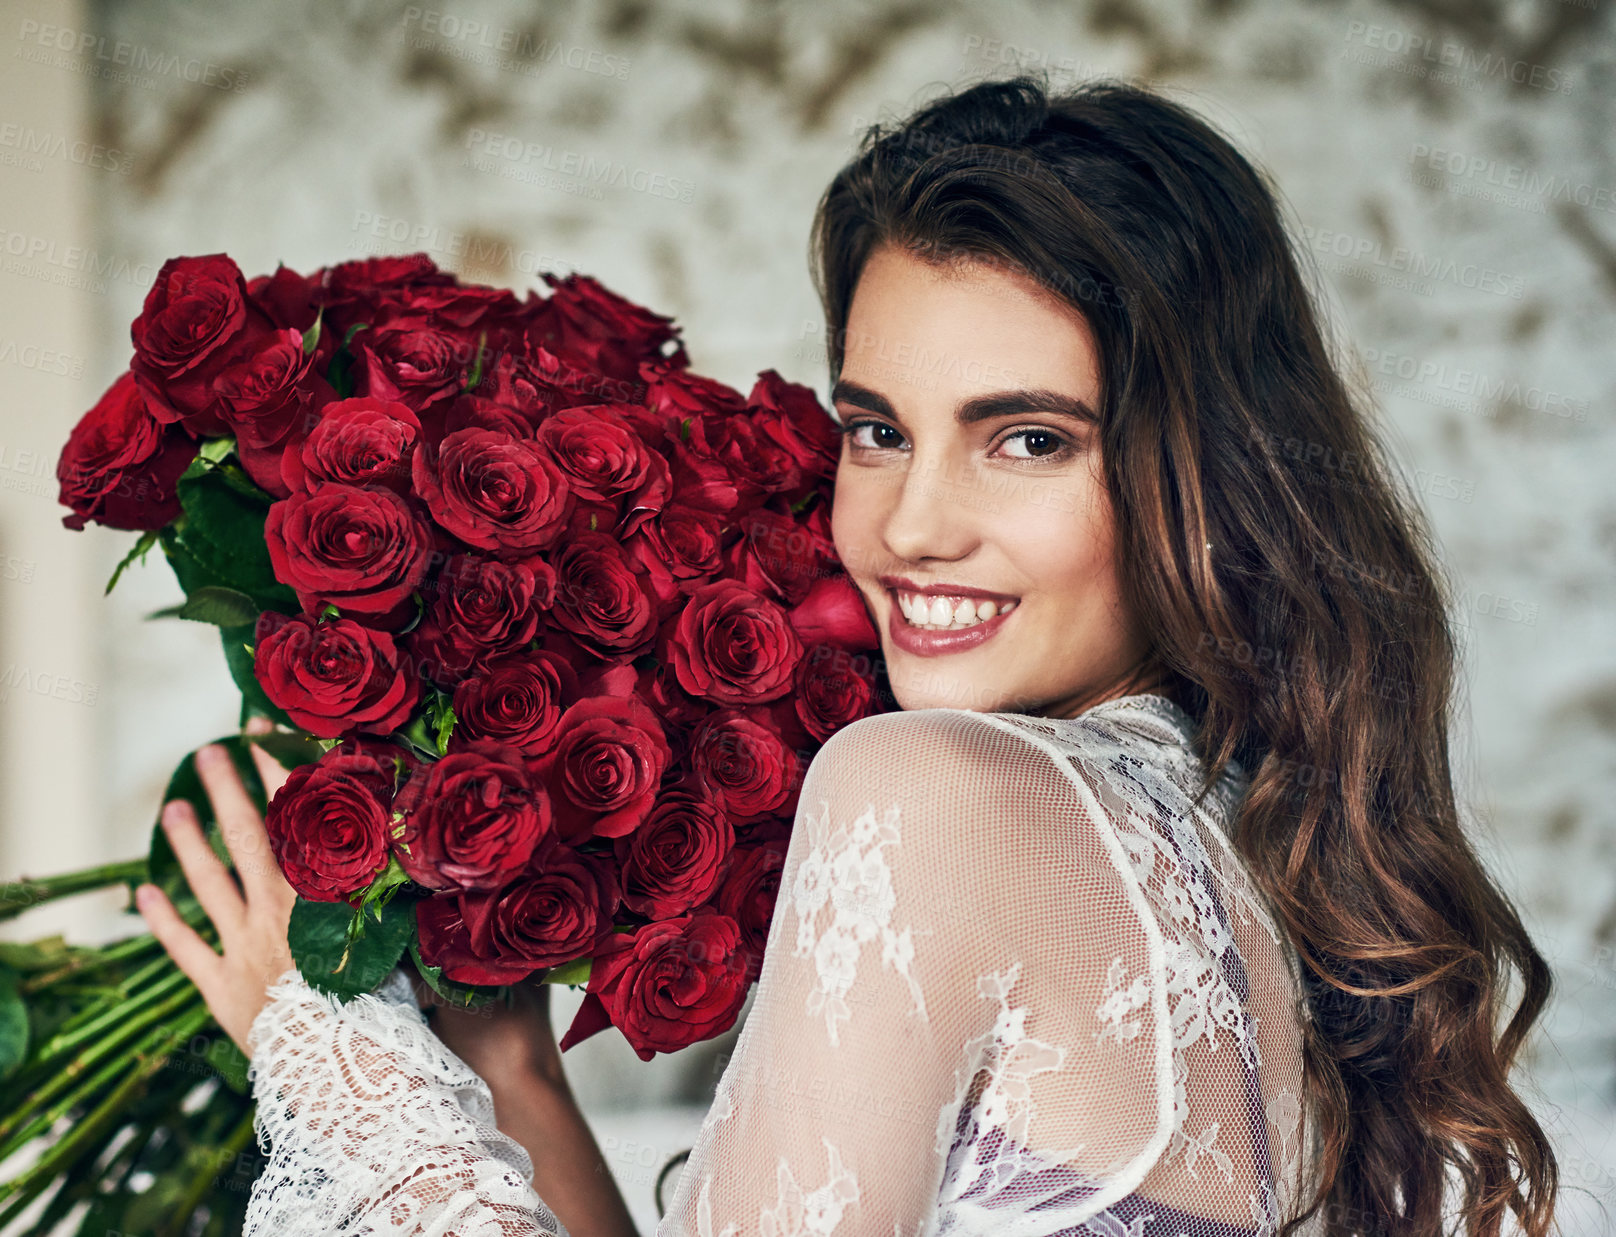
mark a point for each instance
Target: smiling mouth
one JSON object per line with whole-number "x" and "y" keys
{"x": 939, "y": 612}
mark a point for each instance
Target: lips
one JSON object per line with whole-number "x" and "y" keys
{"x": 935, "y": 643}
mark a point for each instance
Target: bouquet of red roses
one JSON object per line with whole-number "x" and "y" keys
{"x": 550, "y": 625}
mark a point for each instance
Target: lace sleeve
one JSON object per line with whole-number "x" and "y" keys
{"x": 963, "y": 1023}
{"x": 372, "y": 1125}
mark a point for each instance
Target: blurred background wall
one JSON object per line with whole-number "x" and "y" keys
{"x": 1448, "y": 164}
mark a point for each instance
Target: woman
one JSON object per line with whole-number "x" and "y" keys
{"x": 1149, "y": 911}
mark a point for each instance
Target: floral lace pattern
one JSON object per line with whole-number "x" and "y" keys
{"x": 1080, "y": 1019}
{"x": 850, "y": 871}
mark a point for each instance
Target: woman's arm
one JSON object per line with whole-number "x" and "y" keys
{"x": 514, "y": 1049}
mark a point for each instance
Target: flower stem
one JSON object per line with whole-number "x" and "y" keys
{"x": 75, "y": 1070}
{"x": 19, "y": 895}
{"x": 147, "y": 1060}
{"x": 90, "y": 960}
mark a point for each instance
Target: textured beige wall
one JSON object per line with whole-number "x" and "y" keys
{"x": 1448, "y": 165}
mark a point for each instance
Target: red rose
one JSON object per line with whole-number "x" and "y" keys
{"x": 558, "y": 910}
{"x": 835, "y": 612}
{"x": 192, "y": 324}
{"x": 361, "y": 549}
{"x": 744, "y": 764}
{"x": 472, "y": 819}
{"x": 676, "y": 544}
{"x": 666, "y": 985}
{"x": 289, "y": 299}
{"x": 332, "y": 677}
{"x": 121, "y": 465}
{"x": 330, "y": 824}
{"x": 791, "y": 419}
{"x": 605, "y": 770}
{"x": 589, "y": 325}
{"x": 677, "y": 393}
{"x": 517, "y": 700}
{"x": 264, "y": 396}
{"x": 494, "y": 491}
{"x": 601, "y": 599}
{"x": 732, "y": 645}
{"x": 750, "y": 887}
{"x": 607, "y": 464}
{"x": 721, "y": 463}
{"x": 673, "y": 860}
{"x": 832, "y": 689}
{"x": 360, "y": 441}
{"x": 779, "y": 555}
{"x": 411, "y": 362}
{"x": 478, "y": 609}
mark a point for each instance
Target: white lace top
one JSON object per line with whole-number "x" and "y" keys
{"x": 1016, "y": 984}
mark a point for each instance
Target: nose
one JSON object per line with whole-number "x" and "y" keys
{"x": 933, "y": 514}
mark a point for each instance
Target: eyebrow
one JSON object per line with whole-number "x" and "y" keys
{"x": 978, "y": 407}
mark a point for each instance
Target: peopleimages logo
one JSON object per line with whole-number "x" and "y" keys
{"x": 96, "y": 52}
{"x": 1448, "y": 59}
{"x": 1498, "y": 174}
{"x": 1365, "y": 252}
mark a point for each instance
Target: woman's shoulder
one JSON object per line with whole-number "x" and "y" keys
{"x": 1124, "y": 733}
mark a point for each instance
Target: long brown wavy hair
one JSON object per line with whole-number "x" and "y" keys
{"x": 1288, "y": 582}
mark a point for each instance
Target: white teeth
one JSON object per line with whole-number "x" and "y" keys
{"x": 944, "y": 614}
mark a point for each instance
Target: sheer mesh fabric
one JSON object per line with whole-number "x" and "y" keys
{"x": 1016, "y": 984}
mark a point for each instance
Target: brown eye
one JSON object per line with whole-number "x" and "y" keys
{"x": 876, "y": 441}
{"x": 1036, "y": 443}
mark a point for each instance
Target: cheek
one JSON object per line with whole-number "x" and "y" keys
{"x": 851, "y": 521}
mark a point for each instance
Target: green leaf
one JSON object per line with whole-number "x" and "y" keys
{"x": 446, "y": 725}
{"x": 330, "y": 612}
{"x": 238, "y": 659}
{"x": 213, "y": 603}
{"x": 476, "y": 374}
{"x": 290, "y": 750}
{"x": 215, "y": 449}
{"x": 13, "y": 1023}
{"x": 684, "y": 429}
{"x": 163, "y": 868}
{"x": 311, "y": 337}
{"x": 141, "y": 547}
{"x": 344, "y": 951}
{"x": 574, "y": 972}
{"x": 222, "y": 537}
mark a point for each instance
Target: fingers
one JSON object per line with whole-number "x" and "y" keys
{"x": 205, "y": 872}
{"x": 242, "y": 826}
{"x": 190, "y": 952}
{"x": 271, "y": 772}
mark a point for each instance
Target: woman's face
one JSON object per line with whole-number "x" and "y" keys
{"x": 970, "y": 484}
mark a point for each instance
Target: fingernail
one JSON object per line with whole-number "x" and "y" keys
{"x": 143, "y": 896}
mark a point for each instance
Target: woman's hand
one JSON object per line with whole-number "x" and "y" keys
{"x": 509, "y": 1046}
{"x": 252, "y": 920}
